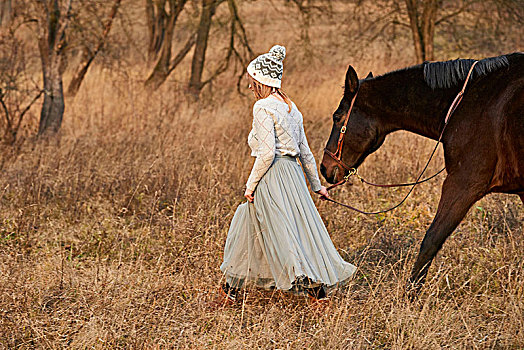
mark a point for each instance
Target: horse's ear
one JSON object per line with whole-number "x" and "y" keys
{"x": 351, "y": 84}
{"x": 370, "y": 75}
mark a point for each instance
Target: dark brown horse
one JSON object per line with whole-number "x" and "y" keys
{"x": 483, "y": 141}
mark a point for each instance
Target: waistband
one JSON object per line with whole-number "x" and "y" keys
{"x": 286, "y": 156}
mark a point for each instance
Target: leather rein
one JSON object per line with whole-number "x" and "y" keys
{"x": 337, "y": 156}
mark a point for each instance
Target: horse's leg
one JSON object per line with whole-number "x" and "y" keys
{"x": 455, "y": 201}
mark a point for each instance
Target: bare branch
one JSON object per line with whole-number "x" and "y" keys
{"x": 225, "y": 63}
{"x": 380, "y": 31}
{"x": 374, "y": 22}
{"x": 6, "y": 111}
{"x": 60, "y": 34}
{"x": 243, "y": 37}
{"x": 400, "y": 23}
{"x": 182, "y": 53}
{"x": 464, "y": 6}
{"x": 77, "y": 79}
{"x": 26, "y": 109}
{"x": 236, "y": 22}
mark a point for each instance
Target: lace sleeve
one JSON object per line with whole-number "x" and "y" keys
{"x": 264, "y": 131}
{"x": 308, "y": 162}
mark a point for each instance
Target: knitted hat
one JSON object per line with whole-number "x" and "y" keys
{"x": 267, "y": 68}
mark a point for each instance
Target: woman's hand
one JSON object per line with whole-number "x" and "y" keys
{"x": 249, "y": 195}
{"x": 323, "y": 193}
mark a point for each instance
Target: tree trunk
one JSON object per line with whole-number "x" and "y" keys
{"x": 163, "y": 65}
{"x": 422, "y": 24}
{"x": 197, "y": 65}
{"x": 156, "y": 23}
{"x": 161, "y": 72}
{"x": 53, "y": 107}
{"x": 413, "y": 23}
{"x": 428, "y": 27}
{"x": 51, "y": 43}
{"x": 82, "y": 68}
{"x": 6, "y": 12}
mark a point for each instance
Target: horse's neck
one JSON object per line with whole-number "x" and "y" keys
{"x": 403, "y": 101}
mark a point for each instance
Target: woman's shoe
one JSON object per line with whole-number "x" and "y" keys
{"x": 318, "y": 299}
{"x": 227, "y": 296}
{"x": 318, "y": 292}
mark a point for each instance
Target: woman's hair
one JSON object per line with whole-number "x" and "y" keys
{"x": 262, "y": 91}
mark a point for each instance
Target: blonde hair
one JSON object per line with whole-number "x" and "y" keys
{"x": 262, "y": 91}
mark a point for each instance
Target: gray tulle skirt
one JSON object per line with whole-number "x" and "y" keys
{"x": 280, "y": 241}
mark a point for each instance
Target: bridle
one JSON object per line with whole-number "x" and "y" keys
{"x": 337, "y": 156}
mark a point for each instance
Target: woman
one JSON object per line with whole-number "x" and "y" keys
{"x": 277, "y": 239}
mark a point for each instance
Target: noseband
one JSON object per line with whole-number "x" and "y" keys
{"x": 337, "y": 156}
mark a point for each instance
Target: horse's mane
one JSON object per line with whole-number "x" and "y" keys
{"x": 450, "y": 73}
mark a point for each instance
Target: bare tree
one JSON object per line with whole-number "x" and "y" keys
{"x": 18, "y": 91}
{"x": 158, "y": 12}
{"x": 197, "y": 64}
{"x": 89, "y": 55}
{"x": 485, "y": 26}
{"x": 422, "y": 16}
{"x": 309, "y": 9}
{"x": 237, "y": 30}
{"x": 53, "y": 21}
{"x": 162, "y": 22}
{"x": 419, "y": 16}
{"x": 56, "y": 25}
{"x": 425, "y": 15}
{"x": 157, "y": 18}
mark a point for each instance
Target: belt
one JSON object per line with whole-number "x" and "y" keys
{"x": 286, "y": 156}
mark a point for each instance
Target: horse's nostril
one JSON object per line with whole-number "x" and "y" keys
{"x": 323, "y": 170}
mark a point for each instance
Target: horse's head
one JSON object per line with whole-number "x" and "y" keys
{"x": 348, "y": 147}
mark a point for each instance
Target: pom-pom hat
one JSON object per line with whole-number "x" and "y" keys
{"x": 267, "y": 68}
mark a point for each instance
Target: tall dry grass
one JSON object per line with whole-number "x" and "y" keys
{"x": 111, "y": 234}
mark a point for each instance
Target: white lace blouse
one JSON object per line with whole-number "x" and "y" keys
{"x": 279, "y": 132}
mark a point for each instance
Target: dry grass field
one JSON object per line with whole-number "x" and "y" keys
{"x": 111, "y": 234}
